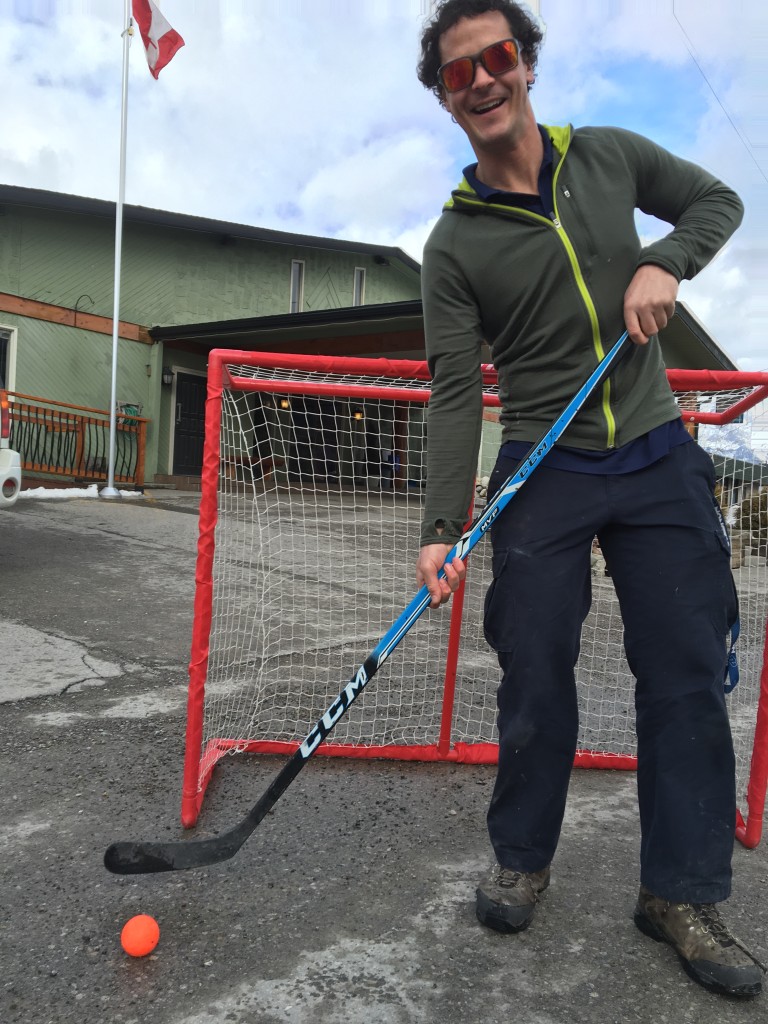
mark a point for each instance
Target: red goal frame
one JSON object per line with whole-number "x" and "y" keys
{"x": 200, "y": 759}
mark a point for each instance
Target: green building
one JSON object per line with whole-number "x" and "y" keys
{"x": 56, "y": 300}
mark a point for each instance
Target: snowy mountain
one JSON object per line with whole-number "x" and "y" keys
{"x": 733, "y": 440}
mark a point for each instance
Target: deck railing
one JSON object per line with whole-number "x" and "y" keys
{"x": 63, "y": 440}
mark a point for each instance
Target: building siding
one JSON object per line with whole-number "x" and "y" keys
{"x": 169, "y": 276}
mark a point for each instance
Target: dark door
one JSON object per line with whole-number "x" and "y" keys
{"x": 189, "y": 431}
{"x": 5, "y": 337}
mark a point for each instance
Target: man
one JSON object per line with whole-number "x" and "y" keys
{"x": 536, "y": 253}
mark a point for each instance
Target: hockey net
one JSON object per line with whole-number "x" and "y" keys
{"x": 310, "y": 513}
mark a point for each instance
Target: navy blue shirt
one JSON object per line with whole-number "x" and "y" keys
{"x": 542, "y": 203}
{"x": 641, "y": 452}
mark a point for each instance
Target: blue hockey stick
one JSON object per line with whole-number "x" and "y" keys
{"x": 133, "y": 858}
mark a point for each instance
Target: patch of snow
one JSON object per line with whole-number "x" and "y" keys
{"x": 92, "y": 491}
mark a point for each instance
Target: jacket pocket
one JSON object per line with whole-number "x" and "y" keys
{"x": 497, "y": 613}
{"x": 578, "y": 228}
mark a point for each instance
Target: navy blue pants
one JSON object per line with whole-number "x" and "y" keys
{"x": 667, "y": 553}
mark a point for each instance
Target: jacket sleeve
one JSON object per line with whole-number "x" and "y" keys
{"x": 454, "y": 416}
{"x": 704, "y": 212}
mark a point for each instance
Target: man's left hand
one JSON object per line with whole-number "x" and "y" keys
{"x": 649, "y": 302}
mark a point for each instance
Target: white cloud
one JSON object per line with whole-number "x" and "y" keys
{"x": 307, "y": 116}
{"x": 342, "y": 192}
{"x": 718, "y": 297}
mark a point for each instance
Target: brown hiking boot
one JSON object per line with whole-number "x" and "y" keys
{"x": 697, "y": 933}
{"x": 507, "y": 899}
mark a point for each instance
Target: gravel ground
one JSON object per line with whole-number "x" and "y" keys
{"x": 352, "y": 902}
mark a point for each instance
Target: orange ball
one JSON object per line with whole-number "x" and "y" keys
{"x": 140, "y": 935}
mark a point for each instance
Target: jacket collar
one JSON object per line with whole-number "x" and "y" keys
{"x": 560, "y": 136}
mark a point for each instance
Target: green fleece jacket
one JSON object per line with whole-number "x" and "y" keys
{"x": 547, "y": 297}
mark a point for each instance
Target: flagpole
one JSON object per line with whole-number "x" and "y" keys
{"x": 110, "y": 491}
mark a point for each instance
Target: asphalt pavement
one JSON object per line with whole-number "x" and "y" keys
{"x": 353, "y": 901}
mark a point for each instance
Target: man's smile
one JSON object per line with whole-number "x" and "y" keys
{"x": 487, "y": 106}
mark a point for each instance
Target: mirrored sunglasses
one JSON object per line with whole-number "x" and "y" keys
{"x": 497, "y": 58}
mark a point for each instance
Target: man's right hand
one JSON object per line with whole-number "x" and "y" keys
{"x": 429, "y": 563}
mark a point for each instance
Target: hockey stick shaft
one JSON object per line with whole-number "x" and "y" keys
{"x": 129, "y": 858}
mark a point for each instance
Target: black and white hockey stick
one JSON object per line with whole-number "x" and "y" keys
{"x": 136, "y": 858}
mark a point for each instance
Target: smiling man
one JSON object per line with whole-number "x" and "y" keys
{"x": 537, "y": 254}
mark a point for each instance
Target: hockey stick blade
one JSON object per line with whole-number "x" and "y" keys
{"x": 142, "y": 858}
{"x": 138, "y": 858}
{"x": 147, "y": 858}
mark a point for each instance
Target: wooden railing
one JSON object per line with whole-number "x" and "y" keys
{"x": 63, "y": 440}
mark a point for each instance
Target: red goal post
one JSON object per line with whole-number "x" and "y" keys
{"x": 312, "y": 483}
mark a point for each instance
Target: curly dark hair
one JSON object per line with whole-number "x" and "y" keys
{"x": 448, "y": 12}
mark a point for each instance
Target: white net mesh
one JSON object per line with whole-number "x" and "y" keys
{"x": 319, "y": 515}
{"x": 318, "y": 528}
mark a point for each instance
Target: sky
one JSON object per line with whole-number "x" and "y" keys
{"x": 307, "y": 116}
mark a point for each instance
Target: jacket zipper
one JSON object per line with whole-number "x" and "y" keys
{"x": 554, "y": 222}
{"x": 581, "y": 284}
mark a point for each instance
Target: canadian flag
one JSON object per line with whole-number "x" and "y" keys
{"x": 160, "y": 40}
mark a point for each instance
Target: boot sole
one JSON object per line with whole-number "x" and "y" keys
{"x": 489, "y": 915}
{"x": 648, "y": 928}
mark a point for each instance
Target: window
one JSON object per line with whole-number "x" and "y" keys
{"x": 5, "y": 357}
{"x": 358, "y": 289}
{"x": 297, "y": 286}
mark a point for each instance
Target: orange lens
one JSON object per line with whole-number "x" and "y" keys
{"x": 500, "y": 57}
{"x": 496, "y": 59}
{"x": 457, "y": 74}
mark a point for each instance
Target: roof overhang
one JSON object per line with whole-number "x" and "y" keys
{"x": 686, "y": 344}
{"x": 397, "y": 328}
{"x": 374, "y": 330}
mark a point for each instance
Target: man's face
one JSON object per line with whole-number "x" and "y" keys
{"x": 494, "y": 110}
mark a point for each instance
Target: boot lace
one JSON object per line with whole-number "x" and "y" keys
{"x": 506, "y": 878}
{"x": 712, "y": 922}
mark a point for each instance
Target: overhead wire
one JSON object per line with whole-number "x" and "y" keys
{"x": 691, "y": 50}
